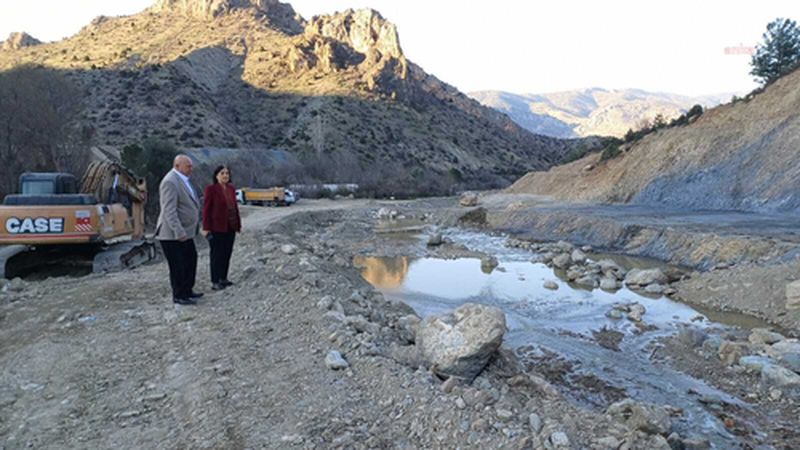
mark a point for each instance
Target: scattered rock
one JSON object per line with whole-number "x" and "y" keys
{"x": 578, "y": 256}
{"x": 461, "y": 343}
{"x": 535, "y": 422}
{"x": 435, "y": 240}
{"x": 468, "y": 199}
{"x": 488, "y": 263}
{"x": 562, "y": 261}
{"x": 691, "y": 337}
{"x": 335, "y": 361}
{"x": 754, "y": 363}
{"x": 645, "y": 277}
{"x": 387, "y": 214}
{"x": 15, "y": 285}
{"x": 764, "y": 336}
{"x": 656, "y": 289}
{"x": 793, "y": 295}
{"x": 588, "y": 281}
{"x": 635, "y": 312}
{"x": 559, "y": 439}
{"x": 641, "y": 416}
{"x": 609, "y": 284}
{"x": 730, "y": 352}
{"x": 289, "y": 249}
{"x": 775, "y": 375}
{"x": 504, "y": 414}
{"x": 787, "y": 353}
{"x": 550, "y": 284}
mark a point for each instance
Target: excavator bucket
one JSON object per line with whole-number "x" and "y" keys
{"x": 124, "y": 255}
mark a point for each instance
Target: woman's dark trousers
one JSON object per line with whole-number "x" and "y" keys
{"x": 221, "y": 249}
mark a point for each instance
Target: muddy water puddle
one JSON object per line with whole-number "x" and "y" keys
{"x": 569, "y": 323}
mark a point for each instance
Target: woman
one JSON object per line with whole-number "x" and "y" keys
{"x": 221, "y": 222}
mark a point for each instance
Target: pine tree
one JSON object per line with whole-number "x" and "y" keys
{"x": 779, "y": 53}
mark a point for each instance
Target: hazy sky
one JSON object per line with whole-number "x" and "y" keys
{"x": 522, "y": 46}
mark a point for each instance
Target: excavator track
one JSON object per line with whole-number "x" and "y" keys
{"x": 41, "y": 262}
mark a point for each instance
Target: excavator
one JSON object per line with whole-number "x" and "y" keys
{"x": 98, "y": 221}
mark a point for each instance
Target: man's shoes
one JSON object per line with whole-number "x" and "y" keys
{"x": 195, "y": 294}
{"x": 218, "y": 286}
{"x": 183, "y": 301}
{"x": 226, "y": 283}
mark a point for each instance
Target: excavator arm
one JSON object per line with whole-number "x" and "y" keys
{"x": 110, "y": 183}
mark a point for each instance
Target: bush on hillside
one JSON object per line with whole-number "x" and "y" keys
{"x": 779, "y": 53}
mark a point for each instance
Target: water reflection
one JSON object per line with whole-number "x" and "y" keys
{"x": 383, "y": 273}
{"x": 433, "y": 285}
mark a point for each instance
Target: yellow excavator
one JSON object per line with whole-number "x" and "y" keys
{"x": 56, "y": 218}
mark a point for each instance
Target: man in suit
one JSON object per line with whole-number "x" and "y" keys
{"x": 177, "y": 226}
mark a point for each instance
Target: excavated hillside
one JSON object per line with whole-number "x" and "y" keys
{"x": 740, "y": 156}
{"x": 254, "y": 74}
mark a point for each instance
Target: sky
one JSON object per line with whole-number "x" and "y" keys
{"x": 689, "y": 47}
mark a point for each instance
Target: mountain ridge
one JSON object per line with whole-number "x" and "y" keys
{"x": 591, "y": 111}
{"x": 236, "y": 73}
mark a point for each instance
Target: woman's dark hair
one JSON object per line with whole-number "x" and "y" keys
{"x": 217, "y": 171}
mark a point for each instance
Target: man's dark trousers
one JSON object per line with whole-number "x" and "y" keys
{"x": 182, "y": 260}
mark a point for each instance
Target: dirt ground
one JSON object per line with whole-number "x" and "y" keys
{"x": 107, "y": 361}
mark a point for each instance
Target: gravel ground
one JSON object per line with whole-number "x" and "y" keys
{"x": 107, "y": 361}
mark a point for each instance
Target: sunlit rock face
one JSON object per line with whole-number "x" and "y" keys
{"x": 210, "y": 8}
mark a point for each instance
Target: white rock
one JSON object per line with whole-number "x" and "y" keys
{"x": 609, "y": 284}
{"x": 335, "y": 361}
{"x": 289, "y": 249}
{"x": 578, "y": 256}
{"x": 646, "y": 277}
{"x": 764, "y": 336}
{"x": 793, "y": 295}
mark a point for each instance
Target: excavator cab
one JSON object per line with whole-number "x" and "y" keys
{"x": 48, "y": 188}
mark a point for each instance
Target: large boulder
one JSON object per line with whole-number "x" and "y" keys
{"x": 644, "y": 277}
{"x": 460, "y": 344}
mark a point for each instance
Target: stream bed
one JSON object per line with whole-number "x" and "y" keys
{"x": 568, "y": 324}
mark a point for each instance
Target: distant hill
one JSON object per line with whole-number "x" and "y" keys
{"x": 740, "y": 156}
{"x": 591, "y": 112}
{"x": 254, "y": 74}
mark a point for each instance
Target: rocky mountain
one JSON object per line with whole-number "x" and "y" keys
{"x": 591, "y": 112}
{"x": 254, "y": 74}
{"x": 742, "y": 156}
{"x": 19, "y": 40}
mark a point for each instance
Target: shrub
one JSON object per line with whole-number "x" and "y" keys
{"x": 611, "y": 151}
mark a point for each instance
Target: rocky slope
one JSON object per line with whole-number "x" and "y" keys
{"x": 739, "y": 156}
{"x": 19, "y": 40}
{"x": 253, "y": 74}
{"x": 591, "y": 112}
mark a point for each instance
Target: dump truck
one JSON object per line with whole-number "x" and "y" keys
{"x": 275, "y": 196}
{"x": 55, "y": 217}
